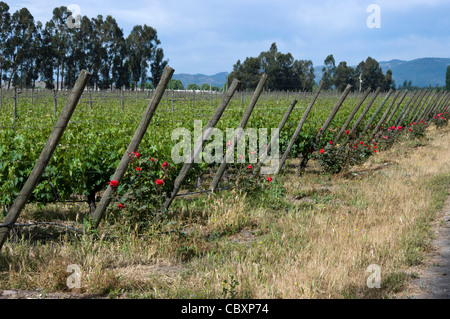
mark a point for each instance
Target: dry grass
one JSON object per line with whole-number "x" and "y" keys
{"x": 309, "y": 237}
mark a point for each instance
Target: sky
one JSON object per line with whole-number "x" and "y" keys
{"x": 208, "y": 37}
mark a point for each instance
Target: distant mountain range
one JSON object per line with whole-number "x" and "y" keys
{"x": 422, "y": 72}
{"x": 218, "y": 79}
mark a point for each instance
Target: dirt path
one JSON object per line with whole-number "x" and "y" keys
{"x": 434, "y": 280}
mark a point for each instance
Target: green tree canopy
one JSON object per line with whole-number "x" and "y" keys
{"x": 372, "y": 75}
{"x": 175, "y": 85}
{"x": 192, "y": 86}
{"x": 284, "y": 72}
{"x": 328, "y": 72}
{"x": 205, "y": 87}
{"x": 343, "y": 75}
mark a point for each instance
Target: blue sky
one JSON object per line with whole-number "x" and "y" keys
{"x": 210, "y": 36}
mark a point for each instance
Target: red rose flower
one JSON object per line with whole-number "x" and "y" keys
{"x": 165, "y": 164}
{"x": 159, "y": 182}
{"x": 269, "y": 179}
{"x": 114, "y": 183}
{"x": 322, "y": 151}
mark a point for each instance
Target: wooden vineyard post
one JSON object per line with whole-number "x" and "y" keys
{"x": 395, "y": 122}
{"x": 239, "y": 131}
{"x": 134, "y": 144}
{"x": 376, "y": 112}
{"x": 198, "y": 146}
{"x": 389, "y": 119}
{"x": 436, "y": 106}
{"x": 44, "y": 158}
{"x": 350, "y": 118}
{"x": 432, "y": 106}
{"x": 443, "y": 105}
{"x": 425, "y": 105}
{"x": 385, "y": 114}
{"x": 363, "y": 114}
{"x": 281, "y": 125}
{"x": 410, "y": 116}
{"x": 434, "y": 98}
{"x": 299, "y": 128}
{"x": 409, "y": 108}
{"x": 324, "y": 127}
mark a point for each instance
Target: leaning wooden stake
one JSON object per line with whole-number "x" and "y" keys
{"x": 299, "y": 128}
{"x": 198, "y": 146}
{"x": 433, "y": 100}
{"x": 442, "y": 106}
{"x": 325, "y": 126}
{"x": 385, "y": 114}
{"x": 351, "y": 116}
{"x": 425, "y": 105}
{"x": 410, "y": 116}
{"x": 389, "y": 119}
{"x": 407, "y": 107}
{"x": 275, "y": 137}
{"x": 239, "y": 131}
{"x": 361, "y": 117}
{"x": 134, "y": 144}
{"x": 45, "y": 156}
{"x": 437, "y": 106}
{"x": 376, "y": 112}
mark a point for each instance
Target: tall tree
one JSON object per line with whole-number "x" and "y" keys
{"x": 304, "y": 71}
{"x": 371, "y": 74}
{"x": 388, "y": 82}
{"x": 157, "y": 66}
{"x": 5, "y": 32}
{"x": 141, "y": 44}
{"x": 285, "y": 73}
{"x": 56, "y": 29}
{"x": 343, "y": 75}
{"x": 328, "y": 72}
{"x": 22, "y": 38}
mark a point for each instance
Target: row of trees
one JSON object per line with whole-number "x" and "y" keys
{"x": 177, "y": 85}
{"x": 368, "y": 74}
{"x": 30, "y": 51}
{"x": 286, "y": 73}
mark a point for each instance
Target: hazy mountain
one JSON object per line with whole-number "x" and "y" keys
{"x": 218, "y": 79}
{"x": 422, "y": 72}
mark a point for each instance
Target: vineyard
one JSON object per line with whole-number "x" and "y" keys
{"x": 332, "y": 130}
